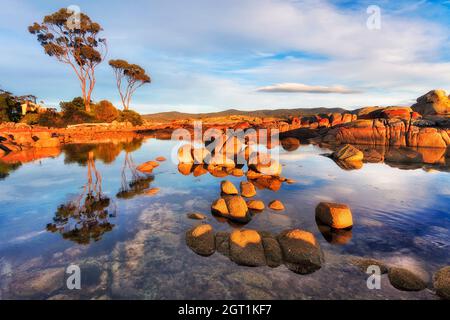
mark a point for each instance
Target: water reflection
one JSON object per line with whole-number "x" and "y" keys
{"x": 86, "y": 218}
{"x": 142, "y": 254}
{"x": 400, "y": 157}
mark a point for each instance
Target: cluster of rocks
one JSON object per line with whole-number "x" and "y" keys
{"x": 297, "y": 249}
{"x": 231, "y": 204}
{"x": 230, "y": 158}
{"x": 30, "y": 139}
{"x": 407, "y": 280}
{"x": 350, "y": 157}
{"x": 147, "y": 168}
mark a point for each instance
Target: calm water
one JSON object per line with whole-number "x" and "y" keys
{"x": 133, "y": 245}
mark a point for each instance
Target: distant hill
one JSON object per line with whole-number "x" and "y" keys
{"x": 277, "y": 113}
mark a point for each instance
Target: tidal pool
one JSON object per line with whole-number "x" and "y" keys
{"x": 131, "y": 244}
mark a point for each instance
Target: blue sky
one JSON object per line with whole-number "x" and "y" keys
{"x": 208, "y": 55}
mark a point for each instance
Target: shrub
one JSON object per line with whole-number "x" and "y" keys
{"x": 130, "y": 116}
{"x": 30, "y": 118}
{"x": 50, "y": 119}
{"x": 9, "y": 107}
{"x": 104, "y": 111}
{"x": 73, "y": 112}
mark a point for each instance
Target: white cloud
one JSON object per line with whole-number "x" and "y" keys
{"x": 205, "y": 56}
{"x": 300, "y": 87}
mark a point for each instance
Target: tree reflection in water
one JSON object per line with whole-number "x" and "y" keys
{"x": 87, "y": 217}
{"x": 138, "y": 184}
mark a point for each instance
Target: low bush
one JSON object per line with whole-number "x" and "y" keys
{"x": 130, "y": 116}
{"x": 104, "y": 111}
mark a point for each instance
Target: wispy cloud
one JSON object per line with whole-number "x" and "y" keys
{"x": 304, "y": 88}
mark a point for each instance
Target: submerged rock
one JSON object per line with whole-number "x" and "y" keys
{"x": 364, "y": 263}
{"x": 246, "y": 248}
{"x": 247, "y": 189}
{"x": 196, "y": 216}
{"x": 160, "y": 159}
{"x": 301, "y": 251}
{"x": 272, "y": 251}
{"x": 228, "y": 188}
{"x": 441, "y": 282}
{"x": 405, "y": 280}
{"x": 223, "y": 243}
{"x": 201, "y": 240}
{"x": 334, "y": 215}
{"x": 276, "y": 205}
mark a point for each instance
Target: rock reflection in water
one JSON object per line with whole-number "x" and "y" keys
{"x": 404, "y": 158}
{"x": 86, "y": 218}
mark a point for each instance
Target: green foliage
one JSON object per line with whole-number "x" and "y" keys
{"x": 10, "y": 110}
{"x": 73, "y": 112}
{"x": 104, "y": 111}
{"x": 131, "y": 116}
{"x": 30, "y": 118}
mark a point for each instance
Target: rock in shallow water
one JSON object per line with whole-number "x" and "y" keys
{"x": 334, "y": 215}
{"x": 405, "y": 280}
{"x": 364, "y": 263}
{"x": 196, "y": 216}
{"x": 201, "y": 240}
{"x": 276, "y": 205}
{"x": 348, "y": 153}
{"x": 301, "y": 251}
{"x": 246, "y": 248}
{"x": 441, "y": 282}
{"x": 228, "y": 188}
{"x": 247, "y": 189}
{"x": 256, "y": 205}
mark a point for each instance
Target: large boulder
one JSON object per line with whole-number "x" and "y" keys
{"x": 396, "y": 113}
{"x": 441, "y": 282}
{"x": 334, "y": 215}
{"x": 201, "y": 240}
{"x": 246, "y": 248}
{"x": 301, "y": 251}
{"x": 405, "y": 280}
{"x": 434, "y": 102}
{"x": 348, "y": 153}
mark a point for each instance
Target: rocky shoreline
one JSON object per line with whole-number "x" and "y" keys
{"x": 374, "y": 126}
